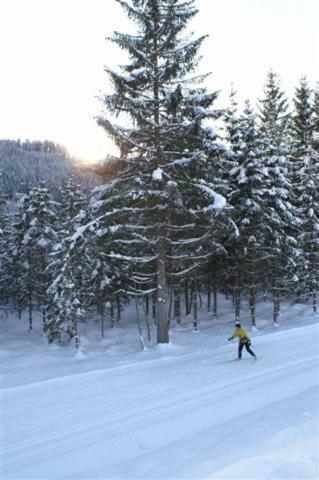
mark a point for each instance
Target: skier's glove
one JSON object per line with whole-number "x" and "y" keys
{"x": 229, "y": 339}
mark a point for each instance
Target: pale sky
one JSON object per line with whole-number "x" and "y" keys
{"x": 53, "y": 53}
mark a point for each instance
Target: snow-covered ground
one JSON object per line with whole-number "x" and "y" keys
{"x": 180, "y": 411}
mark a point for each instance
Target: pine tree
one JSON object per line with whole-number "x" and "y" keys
{"x": 302, "y": 119}
{"x": 233, "y": 137}
{"x": 4, "y": 231}
{"x": 279, "y": 199}
{"x": 73, "y": 202}
{"x": 274, "y": 119}
{"x": 162, "y": 200}
{"x": 33, "y": 234}
{"x": 315, "y": 139}
{"x": 70, "y": 293}
{"x": 247, "y": 183}
{"x": 309, "y": 233}
{"x": 305, "y": 159}
{"x": 68, "y": 296}
{"x": 17, "y": 261}
{"x": 232, "y": 125}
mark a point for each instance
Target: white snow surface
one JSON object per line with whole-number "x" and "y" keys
{"x": 178, "y": 411}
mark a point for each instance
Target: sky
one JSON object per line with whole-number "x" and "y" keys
{"x": 53, "y": 54}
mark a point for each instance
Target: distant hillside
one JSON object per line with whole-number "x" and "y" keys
{"x": 23, "y": 164}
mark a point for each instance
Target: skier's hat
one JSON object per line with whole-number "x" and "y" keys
{"x": 237, "y": 324}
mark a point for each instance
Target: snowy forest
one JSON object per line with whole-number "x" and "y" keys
{"x": 201, "y": 201}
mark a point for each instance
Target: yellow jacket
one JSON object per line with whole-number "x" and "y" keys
{"x": 242, "y": 334}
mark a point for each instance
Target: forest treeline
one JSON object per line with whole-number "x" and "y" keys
{"x": 24, "y": 163}
{"x": 186, "y": 209}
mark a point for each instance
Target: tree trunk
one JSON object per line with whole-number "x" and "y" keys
{"x": 154, "y": 307}
{"x": 30, "y": 307}
{"x": 276, "y": 301}
{"x": 252, "y": 305}
{"x": 237, "y": 295}
{"x": 252, "y": 294}
{"x": 139, "y": 323}
{"x": 147, "y": 324}
{"x": 112, "y": 312}
{"x": 177, "y": 302}
{"x": 43, "y": 319}
{"x": 102, "y": 311}
{"x": 195, "y": 305}
{"x": 75, "y": 326}
{"x": 314, "y": 302}
{"x": 147, "y": 305}
{"x": 215, "y": 301}
{"x": 186, "y": 297}
{"x": 191, "y": 300}
{"x": 162, "y": 317}
{"x": 208, "y": 299}
{"x": 118, "y": 309}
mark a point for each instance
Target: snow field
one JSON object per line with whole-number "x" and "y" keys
{"x": 180, "y": 411}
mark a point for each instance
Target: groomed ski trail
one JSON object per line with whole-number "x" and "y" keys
{"x": 176, "y": 417}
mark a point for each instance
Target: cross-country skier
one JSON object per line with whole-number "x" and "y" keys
{"x": 244, "y": 340}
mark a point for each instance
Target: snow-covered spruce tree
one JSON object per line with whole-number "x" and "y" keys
{"x": 233, "y": 137}
{"x": 315, "y": 139}
{"x": 4, "y": 231}
{"x": 306, "y": 184}
{"x": 70, "y": 292}
{"x": 279, "y": 197}
{"x": 16, "y": 263}
{"x": 273, "y": 114}
{"x": 302, "y": 118}
{"x": 37, "y": 242}
{"x": 73, "y": 202}
{"x": 232, "y": 125}
{"x": 309, "y": 233}
{"x": 33, "y": 233}
{"x": 162, "y": 200}
{"x": 248, "y": 182}
{"x": 69, "y": 295}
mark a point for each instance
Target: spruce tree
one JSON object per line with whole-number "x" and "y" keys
{"x": 17, "y": 266}
{"x": 235, "y": 143}
{"x": 273, "y": 116}
{"x": 305, "y": 175}
{"x": 4, "y": 238}
{"x": 70, "y": 265}
{"x": 162, "y": 200}
{"x": 281, "y": 240}
{"x": 247, "y": 183}
{"x": 302, "y": 119}
{"x": 69, "y": 294}
{"x": 315, "y": 139}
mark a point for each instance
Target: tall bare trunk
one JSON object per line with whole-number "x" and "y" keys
{"x": 162, "y": 317}
{"x": 186, "y": 298}
{"x": 195, "y": 304}
{"x": 177, "y": 302}
{"x": 118, "y": 309}
{"x": 75, "y": 326}
{"x": 30, "y": 306}
{"x": 139, "y": 322}
{"x": 237, "y": 293}
{"x": 252, "y": 292}
{"x": 314, "y": 302}
{"x": 154, "y": 309}
{"x": 215, "y": 301}
{"x": 276, "y": 300}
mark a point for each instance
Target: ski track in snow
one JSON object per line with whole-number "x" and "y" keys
{"x": 188, "y": 416}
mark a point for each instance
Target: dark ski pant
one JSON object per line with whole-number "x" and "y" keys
{"x": 247, "y": 345}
